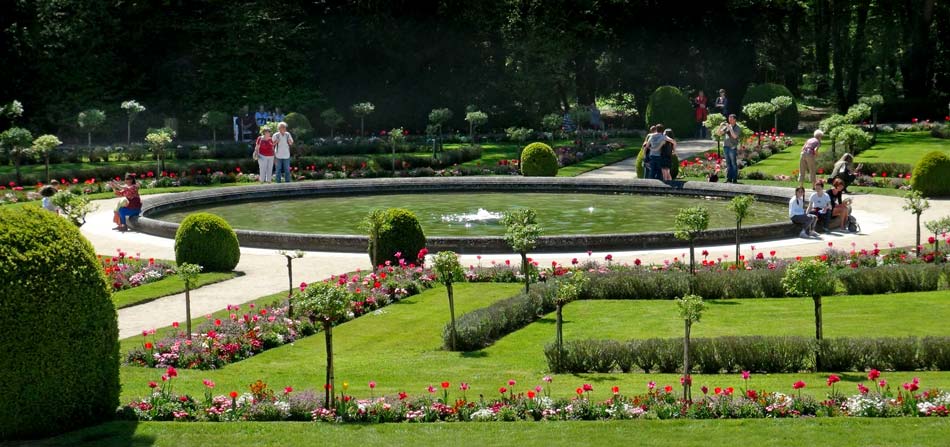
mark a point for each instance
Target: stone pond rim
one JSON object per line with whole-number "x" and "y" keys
{"x": 475, "y": 244}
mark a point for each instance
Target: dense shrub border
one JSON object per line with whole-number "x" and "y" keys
{"x": 262, "y": 403}
{"x": 763, "y": 354}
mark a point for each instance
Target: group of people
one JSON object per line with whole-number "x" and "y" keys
{"x": 272, "y": 152}
{"x": 700, "y": 103}
{"x": 247, "y": 124}
{"x": 822, "y": 207}
{"x": 660, "y": 146}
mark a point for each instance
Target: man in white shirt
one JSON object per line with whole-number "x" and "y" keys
{"x": 820, "y": 205}
{"x": 282, "y": 143}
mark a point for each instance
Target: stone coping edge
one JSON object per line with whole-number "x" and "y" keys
{"x": 471, "y": 245}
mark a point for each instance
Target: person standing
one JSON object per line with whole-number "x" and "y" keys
{"x": 655, "y": 143}
{"x": 730, "y": 147}
{"x": 264, "y": 154}
{"x": 646, "y": 155}
{"x": 596, "y": 123}
{"x": 283, "y": 141}
{"x": 666, "y": 156}
{"x": 701, "y": 114}
{"x": 722, "y": 103}
{"x": 807, "y": 162}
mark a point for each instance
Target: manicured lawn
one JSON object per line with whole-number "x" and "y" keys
{"x": 598, "y": 162}
{"x": 753, "y": 432}
{"x": 168, "y": 286}
{"x": 492, "y": 153}
{"x": 400, "y": 346}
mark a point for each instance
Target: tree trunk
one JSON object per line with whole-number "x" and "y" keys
{"x": 738, "y": 243}
{"x": 692, "y": 263}
{"x": 857, "y": 51}
{"x": 128, "y": 133}
{"x": 16, "y": 165}
{"x": 89, "y": 139}
{"x": 328, "y": 334}
{"x": 214, "y": 137}
{"x": 471, "y": 133}
{"x": 188, "y": 309}
{"x": 524, "y": 271}
{"x": 46, "y": 157}
{"x": 917, "y": 246}
{"x": 558, "y": 336}
{"x": 394, "y": 157}
{"x": 361, "y": 127}
{"x": 820, "y": 29}
{"x": 331, "y": 132}
{"x": 290, "y": 287}
{"x": 448, "y": 287}
{"x": 686, "y": 379}
{"x": 818, "y": 332}
{"x": 840, "y": 21}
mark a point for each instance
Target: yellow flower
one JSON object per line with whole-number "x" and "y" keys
{"x": 346, "y": 385}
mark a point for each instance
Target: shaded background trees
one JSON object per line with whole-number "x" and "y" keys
{"x": 517, "y": 60}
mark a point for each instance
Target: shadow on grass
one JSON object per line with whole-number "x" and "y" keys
{"x": 474, "y": 354}
{"x": 110, "y": 434}
{"x": 723, "y": 302}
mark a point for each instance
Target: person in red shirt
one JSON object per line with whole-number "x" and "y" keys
{"x": 132, "y": 207}
{"x": 701, "y": 113}
{"x": 264, "y": 153}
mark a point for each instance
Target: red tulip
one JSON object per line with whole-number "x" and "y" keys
{"x": 234, "y": 394}
{"x": 798, "y": 385}
{"x": 445, "y": 385}
{"x": 531, "y": 394}
{"x": 833, "y": 379}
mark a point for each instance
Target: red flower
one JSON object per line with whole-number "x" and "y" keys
{"x": 931, "y": 240}
{"x": 403, "y": 395}
{"x": 873, "y": 374}
{"x": 502, "y": 390}
{"x": 152, "y": 384}
{"x": 609, "y": 258}
{"x": 217, "y": 322}
{"x": 531, "y": 394}
{"x": 171, "y": 371}
{"x": 234, "y": 394}
{"x": 863, "y": 389}
{"x": 668, "y": 389}
{"x": 833, "y": 379}
{"x": 148, "y": 345}
{"x": 636, "y": 261}
{"x": 616, "y": 390}
{"x": 326, "y": 386}
{"x": 798, "y": 385}
{"x": 574, "y": 261}
{"x": 588, "y": 387}
{"x": 728, "y": 391}
{"x": 175, "y": 324}
{"x": 579, "y": 391}
{"x": 445, "y": 385}
{"x": 422, "y": 253}
{"x": 751, "y": 394}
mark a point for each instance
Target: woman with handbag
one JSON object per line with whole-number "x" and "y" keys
{"x": 264, "y": 154}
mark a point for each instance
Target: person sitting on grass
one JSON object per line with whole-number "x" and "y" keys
{"x": 820, "y": 205}
{"x": 840, "y": 206}
{"x": 796, "y": 211}
{"x": 134, "y": 206}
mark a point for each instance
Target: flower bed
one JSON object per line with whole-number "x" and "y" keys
{"x": 124, "y": 272}
{"x": 254, "y": 329}
{"x": 261, "y": 403}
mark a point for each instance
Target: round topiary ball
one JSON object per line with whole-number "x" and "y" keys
{"x": 788, "y": 119}
{"x": 298, "y": 125}
{"x": 59, "y": 346}
{"x": 207, "y": 240}
{"x": 402, "y": 234}
{"x": 641, "y": 170}
{"x": 670, "y": 107}
{"x": 538, "y": 160}
{"x": 932, "y": 175}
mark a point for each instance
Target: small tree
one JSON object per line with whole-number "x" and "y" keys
{"x": 690, "y": 310}
{"x": 12, "y": 111}
{"x": 17, "y": 142}
{"x": 937, "y": 228}
{"x": 90, "y": 120}
{"x": 780, "y": 103}
{"x": 44, "y": 144}
{"x": 448, "y": 270}
{"x": 188, "y": 274}
{"x": 215, "y": 120}
{"x": 552, "y": 123}
{"x": 290, "y": 255}
{"x": 438, "y": 118}
{"x": 690, "y": 223}
{"x": 851, "y": 137}
{"x": 874, "y": 102}
{"x": 327, "y": 303}
{"x": 810, "y": 278}
{"x": 74, "y": 207}
{"x": 742, "y": 207}
{"x": 713, "y": 120}
{"x": 332, "y": 119}
{"x": 475, "y": 119}
{"x": 132, "y": 108}
{"x": 158, "y": 140}
{"x": 758, "y": 110}
{"x": 362, "y": 110}
{"x": 522, "y": 232}
{"x": 915, "y": 202}
{"x": 519, "y": 134}
{"x": 396, "y": 137}
{"x": 568, "y": 290}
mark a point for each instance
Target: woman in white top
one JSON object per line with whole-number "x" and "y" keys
{"x": 796, "y": 211}
{"x": 820, "y": 205}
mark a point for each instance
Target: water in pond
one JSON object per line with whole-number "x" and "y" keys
{"x": 477, "y": 214}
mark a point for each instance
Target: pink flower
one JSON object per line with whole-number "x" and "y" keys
{"x": 288, "y": 390}
{"x": 882, "y": 383}
{"x": 171, "y": 371}
{"x": 208, "y": 383}
{"x": 588, "y": 387}
{"x": 372, "y": 384}
{"x": 609, "y": 258}
{"x": 651, "y": 385}
{"x": 431, "y": 389}
{"x": 511, "y": 382}
{"x": 863, "y": 389}
{"x": 547, "y": 379}
{"x": 873, "y": 374}
{"x": 463, "y": 386}
{"x": 746, "y": 375}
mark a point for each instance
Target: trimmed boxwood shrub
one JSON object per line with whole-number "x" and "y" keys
{"x": 932, "y": 175}
{"x": 59, "y": 345}
{"x": 674, "y": 165}
{"x": 891, "y": 279}
{"x": 207, "y": 240}
{"x": 402, "y": 234}
{"x": 788, "y": 119}
{"x": 481, "y": 327}
{"x": 670, "y": 107}
{"x": 538, "y": 160}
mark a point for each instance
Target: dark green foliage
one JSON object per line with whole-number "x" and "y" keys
{"x": 207, "y": 240}
{"x": 480, "y": 328}
{"x": 788, "y": 119}
{"x": 298, "y": 125}
{"x": 641, "y": 170}
{"x": 538, "y": 160}
{"x": 932, "y": 175}
{"x": 670, "y": 107}
{"x": 401, "y": 234}
{"x": 60, "y": 346}
{"x": 891, "y": 279}
{"x": 710, "y": 285}
{"x": 773, "y": 354}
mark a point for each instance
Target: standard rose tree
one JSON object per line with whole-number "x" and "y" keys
{"x": 448, "y": 270}
{"x": 810, "y": 278}
{"x": 328, "y": 304}
{"x": 690, "y": 310}
{"x": 522, "y": 232}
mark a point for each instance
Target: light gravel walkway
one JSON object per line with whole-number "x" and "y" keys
{"x": 627, "y": 169}
{"x": 881, "y": 217}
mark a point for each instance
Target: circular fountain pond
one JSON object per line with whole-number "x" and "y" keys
{"x": 463, "y": 214}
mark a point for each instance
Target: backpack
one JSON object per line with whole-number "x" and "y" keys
{"x": 853, "y": 224}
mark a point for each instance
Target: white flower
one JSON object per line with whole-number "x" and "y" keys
{"x": 482, "y": 415}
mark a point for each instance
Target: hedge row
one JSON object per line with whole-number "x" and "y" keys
{"x": 480, "y": 328}
{"x": 761, "y": 354}
{"x": 711, "y": 285}
{"x": 892, "y": 279}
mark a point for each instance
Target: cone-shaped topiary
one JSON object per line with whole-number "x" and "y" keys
{"x": 59, "y": 346}
{"x": 207, "y": 240}
{"x": 400, "y": 232}
{"x": 670, "y": 107}
{"x": 788, "y": 118}
{"x": 932, "y": 175}
{"x": 538, "y": 160}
